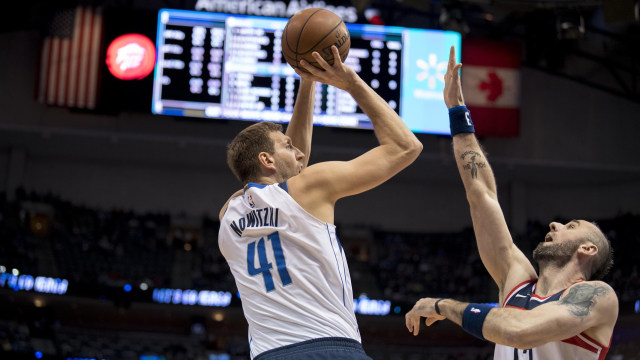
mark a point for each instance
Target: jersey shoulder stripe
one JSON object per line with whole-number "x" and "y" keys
{"x": 516, "y": 289}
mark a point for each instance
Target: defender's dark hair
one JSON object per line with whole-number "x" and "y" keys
{"x": 603, "y": 262}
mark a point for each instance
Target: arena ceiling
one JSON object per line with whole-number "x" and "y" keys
{"x": 593, "y": 42}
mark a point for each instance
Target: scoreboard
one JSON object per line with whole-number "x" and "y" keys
{"x": 223, "y": 66}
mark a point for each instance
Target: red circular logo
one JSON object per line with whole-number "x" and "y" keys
{"x": 131, "y": 56}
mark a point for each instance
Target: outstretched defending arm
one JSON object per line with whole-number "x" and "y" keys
{"x": 505, "y": 262}
{"x": 584, "y": 306}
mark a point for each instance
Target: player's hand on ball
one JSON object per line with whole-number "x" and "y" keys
{"x": 423, "y": 308}
{"x": 338, "y": 74}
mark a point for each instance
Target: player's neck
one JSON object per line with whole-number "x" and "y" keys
{"x": 553, "y": 279}
{"x": 267, "y": 180}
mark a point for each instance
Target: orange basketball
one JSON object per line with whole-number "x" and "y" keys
{"x": 314, "y": 29}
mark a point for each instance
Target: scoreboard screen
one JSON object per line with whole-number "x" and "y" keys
{"x": 223, "y": 66}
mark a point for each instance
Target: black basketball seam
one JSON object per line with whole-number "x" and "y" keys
{"x": 319, "y": 41}
{"x": 286, "y": 41}
{"x": 300, "y": 34}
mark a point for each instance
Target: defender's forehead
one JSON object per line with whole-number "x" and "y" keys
{"x": 585, "y": 224}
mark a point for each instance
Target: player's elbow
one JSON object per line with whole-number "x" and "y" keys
{"x": 414, "y": 148}
{"x": 412, "y": 153}
{"x": 517, "y": 340}
{"x": 405, "y": 152}
{"x": 521, "y": 337}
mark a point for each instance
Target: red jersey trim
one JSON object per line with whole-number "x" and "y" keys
{"x": 604, "y": 349}
{"x": 541, "y": 297}
{"x": 577, "y": 341}
{"x": 584, "y": 341}
{"x": 516, "y": 288}
{"x": 533, "y": 295}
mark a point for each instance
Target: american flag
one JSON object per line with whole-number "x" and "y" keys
{"x": 69, "y": 70}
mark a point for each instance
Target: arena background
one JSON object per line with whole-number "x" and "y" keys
{"x": 112, "y": 198}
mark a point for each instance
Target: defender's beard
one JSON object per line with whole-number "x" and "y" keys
{"x": 558, "y": 254}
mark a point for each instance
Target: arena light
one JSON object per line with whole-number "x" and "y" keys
{"x": 25, "y": 282}
{"x": 131, "y": 57}
{"x": 365, "y": 306}
{"x": 373, "y": 16}
{"x": 38, "y": 302}
{"x": 217, "y": 316}
{"x": 192, "y": 297}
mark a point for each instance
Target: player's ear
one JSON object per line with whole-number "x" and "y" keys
{"x": 588, "y": 248}
{"x": 266, "y": 159}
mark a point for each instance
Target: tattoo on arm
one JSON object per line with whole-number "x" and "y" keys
{"x": 582, "y": 297}
{"x": 474, "y": 162}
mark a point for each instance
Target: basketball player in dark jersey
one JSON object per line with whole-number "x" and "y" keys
{"x": 564, "y": 312}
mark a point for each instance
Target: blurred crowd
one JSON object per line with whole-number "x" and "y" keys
{"x": 41, "y": 234}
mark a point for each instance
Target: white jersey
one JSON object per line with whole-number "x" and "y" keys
{"x": 290, "y": 270}
{"x": 580, "y": 346}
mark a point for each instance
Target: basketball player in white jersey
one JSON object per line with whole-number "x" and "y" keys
{"x": 278, "y": 234}
{"x": 563, "y": 312}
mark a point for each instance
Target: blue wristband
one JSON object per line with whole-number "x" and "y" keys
{"x": 473, "y": 318}
{"x": 460, "y": 120}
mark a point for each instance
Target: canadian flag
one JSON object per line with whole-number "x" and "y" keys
{"x": 491, "y": 86}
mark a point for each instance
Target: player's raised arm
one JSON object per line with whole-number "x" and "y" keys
{"x": 398, "y": 147}
{"x": 300, "y": 127}
{"x": 504, "y": 261}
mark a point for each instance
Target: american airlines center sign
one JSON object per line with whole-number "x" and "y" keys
{"x": 273, "y": 8}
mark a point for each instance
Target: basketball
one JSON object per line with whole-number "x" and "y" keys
{"x": 314, "y": 29}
